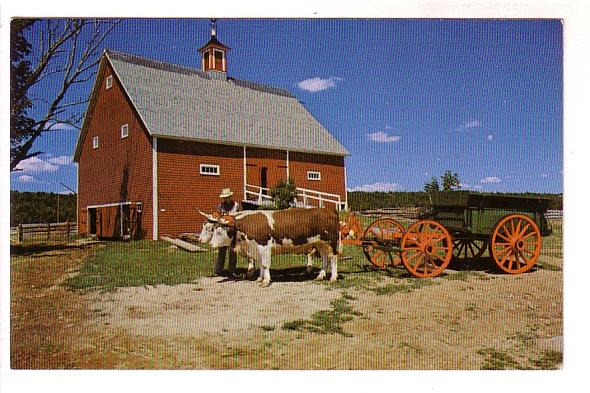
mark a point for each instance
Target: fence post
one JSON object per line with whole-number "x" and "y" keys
{"x": 48, "y": 231}
{"x": 19, "y": 233}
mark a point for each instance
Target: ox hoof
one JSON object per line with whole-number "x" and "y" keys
{"x": 309, "y": 270}
{"x": 259, "y": 279}
{"x": 265, "y": 284}
{"x": 250, "y": 274}
{"x": 321, "y": 276}
{"x": 334, "y": 279}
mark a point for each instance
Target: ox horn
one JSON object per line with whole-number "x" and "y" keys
{"x": 209, "y": 217}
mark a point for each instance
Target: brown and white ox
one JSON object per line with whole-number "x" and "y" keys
{"x": 259, "y": 234}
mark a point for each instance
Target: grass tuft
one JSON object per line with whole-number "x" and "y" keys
{"x": 498, "y": 360}
{"x": 327, "y": 321}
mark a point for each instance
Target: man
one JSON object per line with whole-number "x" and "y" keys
{"x": 227, "y": 206}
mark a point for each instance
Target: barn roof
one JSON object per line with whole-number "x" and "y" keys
{"x": 185, "y": 103}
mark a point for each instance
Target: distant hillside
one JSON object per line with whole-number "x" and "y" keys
{"x": 41, "y": 207}
{"x": 359, "y": 200}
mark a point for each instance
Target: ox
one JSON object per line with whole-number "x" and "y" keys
{"x": 261, "y": 233}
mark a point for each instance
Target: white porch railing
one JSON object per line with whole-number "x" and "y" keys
{"x": 261, "y": 196}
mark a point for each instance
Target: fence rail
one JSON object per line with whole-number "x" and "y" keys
{"x": 43, "y": 232}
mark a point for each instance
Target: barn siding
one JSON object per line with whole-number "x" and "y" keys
{"x": 330, "y": 167}
{"x": 120, "y": 169}
{"x": 182, "y": 189}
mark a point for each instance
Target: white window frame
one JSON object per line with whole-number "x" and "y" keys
{"x": 109, "y": 82}
{"x": 216, "y": 168}
{"x": 311, "y": 175}
{"x": 125, "y": 133}
{"x": 95, "y": 142}
{"x": 222, "y": 59}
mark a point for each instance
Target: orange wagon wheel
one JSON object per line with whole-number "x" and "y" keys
{"x": 384, "y": 229}
{"x": 516, "y": 243}
{"x": 426, "y": 249}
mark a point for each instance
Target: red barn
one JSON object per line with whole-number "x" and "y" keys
{"x": 160, "y": 141}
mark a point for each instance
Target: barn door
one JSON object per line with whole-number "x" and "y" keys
{"x": 99, "y": 222}
{"x": 83, "y": 225}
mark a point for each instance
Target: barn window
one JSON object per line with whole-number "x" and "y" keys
{"x": 210, "y": 170}
{"x": 124, "y": 131}
{"x": 218, "y": 55}
{"x": 109, "y": 82}
{"x": 95, "y": 142}
{"x": 314, "y": 175}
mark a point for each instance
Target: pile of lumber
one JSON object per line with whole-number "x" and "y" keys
{"x": 182, "y": 244}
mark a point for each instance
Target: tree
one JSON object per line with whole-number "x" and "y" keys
{"x": 432, "y": 185}
{"x": 42, "y": 77}
{"x": 450, "y": 181}
{"x": 283, "y": 194}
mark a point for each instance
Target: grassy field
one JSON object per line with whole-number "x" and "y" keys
{"x": 145, "y": 263}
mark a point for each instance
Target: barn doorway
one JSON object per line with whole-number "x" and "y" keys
{"x": 92, "y": 221}
{"x": 264, "y": 179}
{"x": 115, "y": 221}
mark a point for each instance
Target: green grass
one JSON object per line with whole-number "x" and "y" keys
{"x": 145, "y": 262}
{"x": 498, "y": 360}
{"x": 327, "y": 321}
{"x": 139, "y": 263}
{"x": 549, "y": 360}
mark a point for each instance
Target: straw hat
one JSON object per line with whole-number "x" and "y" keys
{"x": 226, "y": 193}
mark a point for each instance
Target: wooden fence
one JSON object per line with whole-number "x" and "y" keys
{"x": 43, "y": 232}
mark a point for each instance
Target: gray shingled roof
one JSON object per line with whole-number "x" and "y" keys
{"x": 181, "y": 102}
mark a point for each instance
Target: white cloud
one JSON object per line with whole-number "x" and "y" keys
{"x": 382, "y": 137}
{"x": 469, "y": 124}
{"x": 384, "y": 187}
{"x": 36, "y": 165}
{"x": 61, "y": 160}
{"x": 316, "y": 84}
{"x": 60, "y": 127}
{"x": 26, "y": 179}
{"x": 490, "y": 137}
{"x": 490, "y": 179}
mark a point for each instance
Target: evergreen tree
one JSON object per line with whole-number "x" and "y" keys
{"x": 432, "y": 185}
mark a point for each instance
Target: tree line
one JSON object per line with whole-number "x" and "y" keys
{"x": 41, "y": 207}
{"x": 360, "y": 200}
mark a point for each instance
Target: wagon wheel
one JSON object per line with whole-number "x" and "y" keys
{"x": 426, "y": 249}
{"x": 516, "y": 243}
{"x": 383, "y": 229}
{"x": 468, "y": 248}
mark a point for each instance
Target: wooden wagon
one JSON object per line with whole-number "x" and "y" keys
{"x": 459, "y": 224}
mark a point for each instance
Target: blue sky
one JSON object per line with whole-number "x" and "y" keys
{"x": 409, "y": 98}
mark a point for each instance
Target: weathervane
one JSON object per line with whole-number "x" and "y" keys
{"x": 213, "y": 27}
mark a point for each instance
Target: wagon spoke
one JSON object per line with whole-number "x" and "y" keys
{"x": 502, "y": 236}
{"x": 528, "y": 235}
{"x": 524, "y": 229}
{"x": 418, "y": 261}
{"x": 502, "y": 251}
{"x": 517, "y": 229}
{"x": 471, "y": 249}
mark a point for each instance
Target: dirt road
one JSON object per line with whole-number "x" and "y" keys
{"x": 464, "y": 320}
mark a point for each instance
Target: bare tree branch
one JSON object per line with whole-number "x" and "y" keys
{"x": 55, "y": 42}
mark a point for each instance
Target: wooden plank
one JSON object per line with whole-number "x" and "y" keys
{"x": 182, "y": 244}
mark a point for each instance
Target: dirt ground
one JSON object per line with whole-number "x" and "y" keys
{"x": 473, "y": 321}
